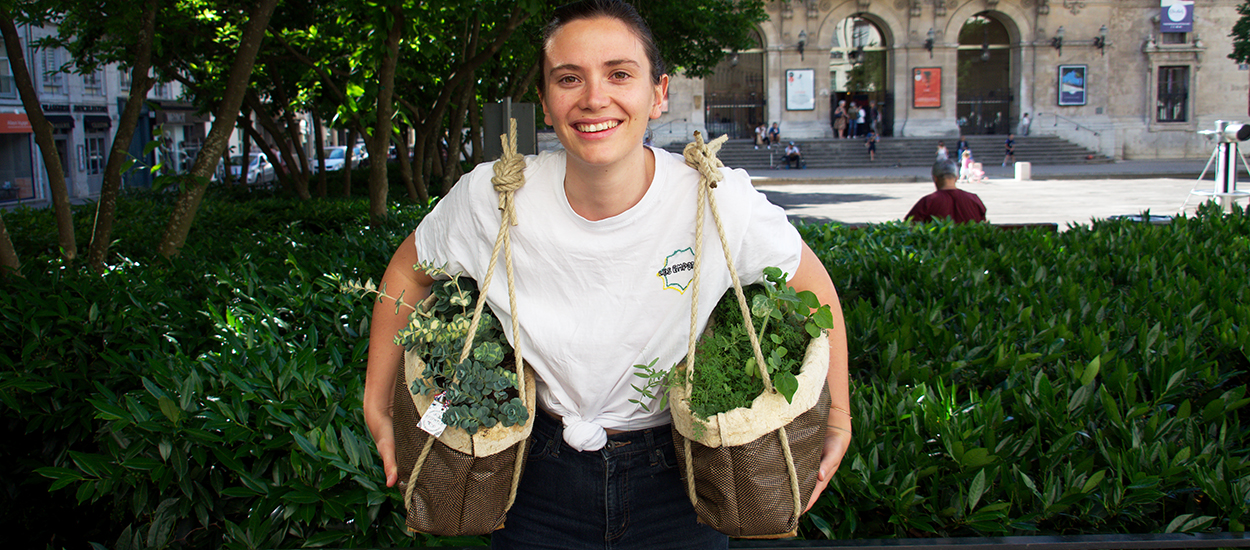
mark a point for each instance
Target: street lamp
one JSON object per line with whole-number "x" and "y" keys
{"x": 802, "y": 42}
{"x": 928, "y": 42}
{"x": 1057, "y": 41}
{"x": 1100, "y": 41}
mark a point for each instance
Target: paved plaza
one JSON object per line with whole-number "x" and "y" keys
{"x": 1063, "y": 195}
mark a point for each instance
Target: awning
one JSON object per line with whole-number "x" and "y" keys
{"x": 60, "y": 121}
{"x": 14, "y": 123}
{"x": 97, "y": 123}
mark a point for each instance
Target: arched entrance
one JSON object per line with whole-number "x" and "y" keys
{"x": 983, "y": 83}
{"x": 858, "y": 68}
{"x": 735, "y": 94}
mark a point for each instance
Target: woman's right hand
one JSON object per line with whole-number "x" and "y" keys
{"x": 402, "y": 278}
{"x": 382, "y": 428}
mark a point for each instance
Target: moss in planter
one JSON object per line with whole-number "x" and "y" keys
{"x": 726, "y": 376}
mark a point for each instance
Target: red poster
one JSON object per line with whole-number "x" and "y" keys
{"x": 927, "y": 88}
{"x": 14, "y": 123}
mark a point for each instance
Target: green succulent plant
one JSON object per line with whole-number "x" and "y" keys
{"x": 480, "y": 391}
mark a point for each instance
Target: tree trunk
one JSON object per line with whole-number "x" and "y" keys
{"x": 455, "y": 135}
{"x": 301, "y": 168}
{"x": 379, "y": 143}
{"x": 9, "y": 262}
{"x": 321, "y": 154}
{"x": 296, "y": 181}
{"x": 475, "y": 133}
{"x": 418, "y": 154}
{"x": 245, "y": 144}
{"x": 270, "y": 155}
{"x": 183, "y": 216}
{"x": 106, "y": 209}
{"x": 43, "y": 137}
{"x": 405, "y": 167}
{"x": 348, "y": 157}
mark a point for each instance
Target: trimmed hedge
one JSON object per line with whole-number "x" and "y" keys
{"x": 1004, "y": 382}
{"x": 1017, "y": 382}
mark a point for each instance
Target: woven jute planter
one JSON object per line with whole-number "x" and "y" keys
{"x": 457, "y": 483}
{"x": 750, "y": 471}
{"x": 466, "y": 483}
{"x": 753, "y": 469}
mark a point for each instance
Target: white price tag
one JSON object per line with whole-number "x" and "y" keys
{"x": 432, "y": 420}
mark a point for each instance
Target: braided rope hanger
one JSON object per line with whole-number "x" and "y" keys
{"x": 508, "y": 179}
{"x": 702, "y": 157}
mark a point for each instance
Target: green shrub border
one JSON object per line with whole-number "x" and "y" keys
{"x": 1004, "y": 382}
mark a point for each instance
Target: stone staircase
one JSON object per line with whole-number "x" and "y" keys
{"x": 851, "y": 153}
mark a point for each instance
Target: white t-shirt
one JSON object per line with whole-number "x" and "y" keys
{"x": 595, "y": 298}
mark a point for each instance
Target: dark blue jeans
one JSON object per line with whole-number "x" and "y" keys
{"x": 627, "y": 495}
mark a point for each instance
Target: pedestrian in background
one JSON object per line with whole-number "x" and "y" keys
{"x": 852, "y": 115}
{"x": 840, "y": 119}
{"x": 947, "y": 201}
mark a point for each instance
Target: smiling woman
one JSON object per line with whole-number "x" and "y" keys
{"x": 598, "y": 222}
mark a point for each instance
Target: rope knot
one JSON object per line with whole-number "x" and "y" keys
{"x": 702, "y": 157}
{"x": 509, "y": 174}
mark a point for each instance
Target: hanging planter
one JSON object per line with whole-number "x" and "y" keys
{"x": 463, "y": 411}
{"x": 750, "y": 470}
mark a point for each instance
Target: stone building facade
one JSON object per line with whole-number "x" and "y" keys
{"x": 1106, "y": 74}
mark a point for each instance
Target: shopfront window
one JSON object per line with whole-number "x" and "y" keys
{"x": 7, "y": 89}
{"x": 95, "y": 156}
{"x": 1173, "y": 97}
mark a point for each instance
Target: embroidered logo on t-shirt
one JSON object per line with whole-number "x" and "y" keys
{"x": 678, "y": 270}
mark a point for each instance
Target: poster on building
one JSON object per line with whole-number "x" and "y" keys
{"x": 1177, "y": 16}
{"x": 1072, "y": 85}
{"x": 927, "y": 88}
{"x": 801, "y": 90}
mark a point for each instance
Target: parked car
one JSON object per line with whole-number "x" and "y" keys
{"x": 259, "y": 170}
{"x": 335, "y": 155}
{"x": 334, "y": 159}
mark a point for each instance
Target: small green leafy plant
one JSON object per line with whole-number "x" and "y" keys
{"x": 481, "y": 390}
{"x": 726, "y": 373}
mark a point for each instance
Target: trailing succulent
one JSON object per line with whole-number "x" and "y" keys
{"x": 481, "y": 390}
{"x": 726, "y": 373}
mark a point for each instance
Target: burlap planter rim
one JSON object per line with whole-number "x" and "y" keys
{"x": 485, "y": 442}
{"x": 768, "y": 412}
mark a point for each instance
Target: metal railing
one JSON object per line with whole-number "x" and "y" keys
{"x": 1078, "y": 125}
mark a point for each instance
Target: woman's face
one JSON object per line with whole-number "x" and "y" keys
{"x": 598, "y": 93}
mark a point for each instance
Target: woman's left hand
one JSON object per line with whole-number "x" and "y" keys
{"x": 836, "y": 444}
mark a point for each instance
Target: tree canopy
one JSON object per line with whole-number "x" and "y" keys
{"x": 410, "y": 73}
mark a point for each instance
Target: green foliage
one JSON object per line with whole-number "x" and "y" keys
{"x": 1020, "y": 382}
{"x": 481, "y": 390}
{"x": 1241, "y": 34}
{"x": 726, "y": 374}
{"x": 1003, "y": 382}
{"x": 211, "y": 400}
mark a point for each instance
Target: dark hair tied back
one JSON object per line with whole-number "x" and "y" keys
{"x": 614, "y": 9}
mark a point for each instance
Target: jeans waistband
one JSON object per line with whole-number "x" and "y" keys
{"x": 636, "y": 440}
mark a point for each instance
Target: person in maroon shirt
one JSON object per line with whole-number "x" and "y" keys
{"x": 947, "y": 201}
